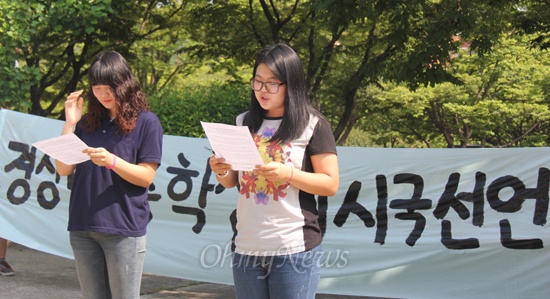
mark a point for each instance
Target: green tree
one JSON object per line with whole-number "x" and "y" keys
{"x": 348, "y": 44}
{"x": 181, "y": 111}
{"x": 502, "y": 100}
{"x": 160, "y": 57}
{"x": 15, "y": 81}
{"x": 533, "y": 17}
{"x": 54, "y": 42}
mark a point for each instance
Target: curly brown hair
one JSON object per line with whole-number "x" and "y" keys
{"x": 111, "y": 69}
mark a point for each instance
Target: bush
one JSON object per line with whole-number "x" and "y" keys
{"x": 181, "y": 111}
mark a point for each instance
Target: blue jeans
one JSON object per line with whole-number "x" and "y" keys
{"x": 277, "y": 277}
{"x": 108, "y": 266}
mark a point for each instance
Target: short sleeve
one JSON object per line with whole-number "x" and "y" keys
{"x": 322, "y": 140}
{"x": 150, "y": 149}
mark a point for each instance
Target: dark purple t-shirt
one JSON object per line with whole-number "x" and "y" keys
{"x": 101, "y": 201}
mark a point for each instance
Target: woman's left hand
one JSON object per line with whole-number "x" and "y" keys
{"x": 99, "y": 156}
{"x": 274, "y": 171}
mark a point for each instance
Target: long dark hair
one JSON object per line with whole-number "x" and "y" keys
{"x": 285, "y": 64}
{"x": 111, "y": 69}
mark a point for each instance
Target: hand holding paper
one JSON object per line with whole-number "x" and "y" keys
{"x": 234, "y": 144}
{"x": 65, "y": 148}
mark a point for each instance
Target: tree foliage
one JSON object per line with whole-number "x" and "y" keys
{"x": 533, "y": 18}
{"x": 54, "y": 42}
{"x": 502, "y": 101}
{"x": 348, "y": 44}
{"x": 180, "y": 112}
{"x": 382, "y": 66}
{"x": 159, "y": 57}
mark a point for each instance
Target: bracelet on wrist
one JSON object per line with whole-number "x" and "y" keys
{"x": 291, "y": 174}
{"x": 224, "y": 174}
{"x": 112, "y": 165}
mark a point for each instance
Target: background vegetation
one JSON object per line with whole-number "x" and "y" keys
{"x": 181, "y": 110}
{"x": 393, "y": 73}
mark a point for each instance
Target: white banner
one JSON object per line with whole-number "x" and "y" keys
{"x": 405, "y": 223}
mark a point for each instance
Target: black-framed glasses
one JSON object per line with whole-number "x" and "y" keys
{"x": 270, "y": 87}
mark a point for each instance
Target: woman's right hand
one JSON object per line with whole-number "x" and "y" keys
{"x": 218, "y": 165}
{"x": 73, "y": 107}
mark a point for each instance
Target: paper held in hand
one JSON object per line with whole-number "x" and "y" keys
{"x": 234, "y": 143}
{"x": 65, "y": 148}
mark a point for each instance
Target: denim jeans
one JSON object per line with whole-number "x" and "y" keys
{"x": 277, "y": 277}
{"x": 107, "y": 265}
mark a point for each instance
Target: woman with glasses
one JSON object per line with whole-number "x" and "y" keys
{"x": 277, "y": 241}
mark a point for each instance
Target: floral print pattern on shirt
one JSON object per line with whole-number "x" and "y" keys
{"x": 262, "y": 189}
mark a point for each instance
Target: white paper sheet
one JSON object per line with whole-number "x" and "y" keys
{"x": 234, "y": 143}
{"x": 65, "y": 148}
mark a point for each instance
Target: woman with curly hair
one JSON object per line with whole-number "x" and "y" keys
{"x": 108, "y": 210}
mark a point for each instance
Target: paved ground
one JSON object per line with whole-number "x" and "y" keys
{"x": 45, "y": 276}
